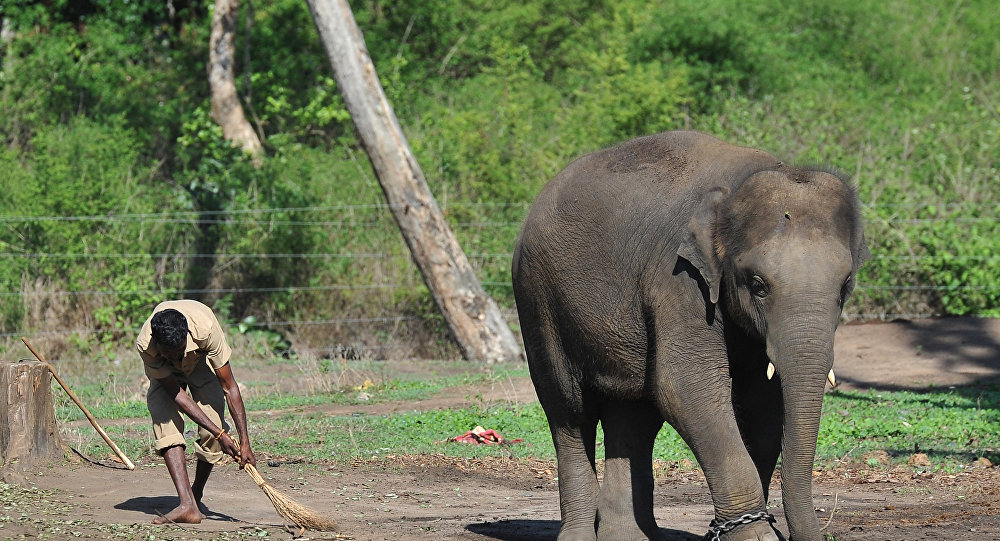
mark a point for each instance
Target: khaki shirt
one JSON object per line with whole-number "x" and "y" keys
{"x": 205, "y": 342}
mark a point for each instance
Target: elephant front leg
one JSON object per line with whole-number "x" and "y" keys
{"x": 578, "y": 486}
{"x": 625, "y": 506}
{"x": 699, "y": 406}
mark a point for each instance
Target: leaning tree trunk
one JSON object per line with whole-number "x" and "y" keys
{"x": 473, "y": 317}
{"x": 226, "y": 108}
{"x": 28, "y": 432}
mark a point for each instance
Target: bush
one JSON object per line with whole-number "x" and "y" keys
{"x": 104, "y": 115}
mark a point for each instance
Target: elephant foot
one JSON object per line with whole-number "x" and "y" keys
{"x": 747, "y": 528}
{"x": 577, "y": 534}
{"x": 626, "y": 534}
{"x": 752, "y": 533}
{"x": 627, "y": 529}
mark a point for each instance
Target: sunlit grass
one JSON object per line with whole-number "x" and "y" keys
{"x": 952, "y": 426}
{"x": 949, "y": 425}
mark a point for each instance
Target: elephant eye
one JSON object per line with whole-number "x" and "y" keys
{"x": 758, "y": 287}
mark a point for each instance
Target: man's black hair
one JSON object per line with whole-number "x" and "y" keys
{"x": 170, "y": 328}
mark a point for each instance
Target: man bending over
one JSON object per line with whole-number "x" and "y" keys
{"x": 186, "y": 358}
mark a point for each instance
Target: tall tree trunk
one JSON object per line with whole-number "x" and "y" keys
{"x": 6, "y": 34}
{"x": 226, "y": 107}
{"x": 473, "y": 317}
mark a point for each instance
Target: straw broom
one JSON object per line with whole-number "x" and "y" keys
{"x": 302, "y": 516}
{"x": 289, "y": 509}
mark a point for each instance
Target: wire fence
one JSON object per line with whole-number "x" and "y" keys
{"x": 900, "y": 216}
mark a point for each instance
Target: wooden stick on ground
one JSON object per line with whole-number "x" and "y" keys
{"x": 90, "y": 417}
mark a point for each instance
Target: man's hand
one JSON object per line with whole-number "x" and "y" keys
{"x": 240, "y": 451}
{"x": 246, "y": 455}
{"x": 230, "y": 447}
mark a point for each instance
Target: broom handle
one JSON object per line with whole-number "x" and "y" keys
{"x": 90, "y": 417}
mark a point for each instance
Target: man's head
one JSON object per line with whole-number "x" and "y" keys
{"x": 169, "y": 328}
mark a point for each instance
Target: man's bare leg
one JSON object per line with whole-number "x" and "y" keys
{"x": 201, "y": 474}
{"x": 187, "y": 511}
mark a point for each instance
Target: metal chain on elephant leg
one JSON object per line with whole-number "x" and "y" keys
{"x": 718, "y": 527}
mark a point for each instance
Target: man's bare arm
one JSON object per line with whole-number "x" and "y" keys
{"x": 191, "y": 408}
{"x": 238, "y": 412}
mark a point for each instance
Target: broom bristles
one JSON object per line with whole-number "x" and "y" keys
{"x": 288, "y": 508}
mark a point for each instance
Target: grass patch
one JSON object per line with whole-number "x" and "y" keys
{"x": 94, "y": 395}
{"x": 344, "y": 437}
{"x": 397, "y": 389}
{"x": 951, "y": 425}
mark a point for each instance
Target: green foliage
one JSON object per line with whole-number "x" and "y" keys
{"x": 452, "y": 40}
{"x": 83, "y": 169}
{"x": 104, "y": 111}
{"x": 107, "y": 60}
{"x": 549, "y": 100}
{"x": 881, "y": 90}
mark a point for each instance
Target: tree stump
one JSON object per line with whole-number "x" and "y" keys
{"x": 28, "y": 432}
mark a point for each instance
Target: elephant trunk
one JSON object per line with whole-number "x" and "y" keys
{"x": 804, "y": 357}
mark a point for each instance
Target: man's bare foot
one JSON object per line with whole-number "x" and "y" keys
{"x": 181, "y": 515}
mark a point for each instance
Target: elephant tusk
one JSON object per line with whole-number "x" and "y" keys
{"x": 832, "y": 378}
{"x": 770, "y": 370}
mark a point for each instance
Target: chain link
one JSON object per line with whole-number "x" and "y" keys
{"x": 718, "y": 527}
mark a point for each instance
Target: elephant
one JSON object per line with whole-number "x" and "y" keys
{"x": 678, "y": 278}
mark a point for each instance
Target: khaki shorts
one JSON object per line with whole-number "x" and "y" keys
{"x": 168, "y": 424}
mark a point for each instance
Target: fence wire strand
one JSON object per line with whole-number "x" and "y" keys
{"x": 258, "y": 217}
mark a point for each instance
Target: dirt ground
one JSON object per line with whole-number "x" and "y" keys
{"x": 431, "y": 497}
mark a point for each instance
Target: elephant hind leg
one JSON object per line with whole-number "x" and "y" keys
{"x": 625, "y": 506}
{"x": 572, "y": 423}
{"x": 578, "y": 486}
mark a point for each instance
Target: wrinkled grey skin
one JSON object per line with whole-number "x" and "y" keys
{"x": 654, "y": 281}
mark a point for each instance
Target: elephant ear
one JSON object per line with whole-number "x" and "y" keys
{"x": 698, "y": 245}
{"x": 861, "y": 253}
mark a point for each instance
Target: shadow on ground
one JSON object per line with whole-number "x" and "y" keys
{"x": 919, "y": 354}
{"x": 957, "y": 341}
{"x": 547, "y": 530}
{"x": 161, "y": 505}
